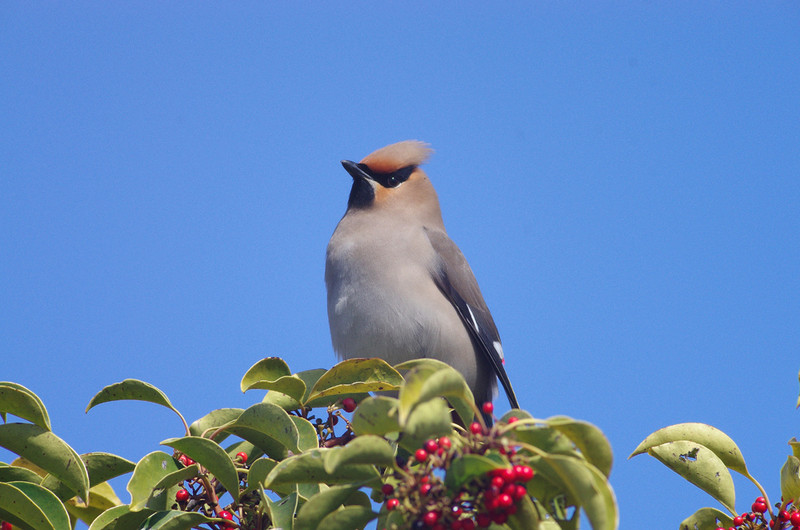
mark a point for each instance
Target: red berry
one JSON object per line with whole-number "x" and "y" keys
{"x": 500, "y": 518}
{"x": 524, "y": 473}
{"x": 508, "y": 474}
{"x": 391, "y": 504}
{"x": 498, "y": 481}
{"x": 759, "y": 507}
{"x": 425, "y": 489}
{"x": 783, "y": 515}
{"x": 421, "y": 455}
{"x": 504, "y": 501}
{"x": 431, "y": 446}
{"x": 430, "y": 518}
{"x": 475, "y": 428}
{"x": 457, "y": 525}
{"x": 794, "y": 518}
{"x": 467, "y": 524}
{"x": 439, "y": 526}
{"x": 761, "y": 499}
{"x": 483, "y": 520}
{"x": 182, "y": 495}
{"x": 225, "y": 514}
{"x": 6, "y": 526}
{"x": 349, "y": 404}
{"x": 487, "y": 407}
{"x": 387, "y": 489}
{"x": 445, "y": 443}
{"x": 241, "y": 455}
{"x": 520, "y": 492}
{"x": 185, "y": 460}
{"x": 512, "y": 419}
{"x": 511, "y": 510}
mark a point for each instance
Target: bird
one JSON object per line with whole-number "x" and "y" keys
{"x": 398, "y": 287}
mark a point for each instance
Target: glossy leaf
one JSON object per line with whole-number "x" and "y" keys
{"x": 17, "y": 400}
{"x": 715, "y": 440}
{"x": 306, "y": 434}
{"x": 590, "y": 440}
{"x": 310, "y": 467}
{"x": 282, "y": 511}
{"x": 176, "y": 478}
{"x": 47, "y": 451}
{"x": 348, "y": 518}
{"x": 706, "y": 518}
{"x": 135, "y": 390}
{"x": 28, "y": 505}
{"x": 547, "y": 439}
{"x": 700, "y": 466}
{"x": 211, "y": 456}
{"x": 257, "y": 474}
{"x": 586, "y": 486}
{"x": 326, "y": 501}
{"x": 18, "y": 474}
{"x": 148, "y": 472}
{"x": 268, "y": 427}
{"x": 273, "y": 373}
{"x": 376, "y": 415}
{"x": 466, "y": 468}
{"x": 790, "y": 478}
{"x": 516, "y": 413}
{"x": 526, "y": 517}
{"x": 430, "y": 419}
{"x": 120, "y": 518}
{"x": 356, "y": 376}
{"x": 213, "y": 421}
{"x": 367, "y": 449}
{"x": 100, "y": 467}
{"x": 429, "y": 379}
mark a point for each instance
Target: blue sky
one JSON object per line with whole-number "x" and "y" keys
{"x": 624, "y": 179}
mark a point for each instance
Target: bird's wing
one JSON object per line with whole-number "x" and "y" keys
{"x": 454, "y": 277}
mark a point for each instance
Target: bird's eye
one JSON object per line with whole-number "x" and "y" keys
{"x": 392, "y": 181}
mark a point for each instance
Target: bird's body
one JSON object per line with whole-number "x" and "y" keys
{"x": 398, "y": 287}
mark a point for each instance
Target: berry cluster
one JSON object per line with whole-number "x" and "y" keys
{"x": 201, "y": 494}
{"x": 417, "y": 488}
{"x": 760, "y": 518}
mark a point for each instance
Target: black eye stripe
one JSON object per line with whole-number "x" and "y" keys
{"x": 389, "y": 180}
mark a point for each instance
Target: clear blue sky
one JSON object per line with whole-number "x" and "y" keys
{"x": 624, "y": 179}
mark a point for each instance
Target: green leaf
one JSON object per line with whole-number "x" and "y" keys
{"x": 355, "y": 376}
{"x": 516, "y": 413}
{"x": 547, "y": 439}
{"x": 430, "y": 419}
{"x": 715, "y": 440}
{"x": 367, "y": 449}
{"x": 47, "y": 451}
{"x": 175, "y": 520}
{"x": 790, "y": 478}
{"x": 102, "y": 498}
{"x": 376, "y": 415}
{"x": 466, "y": 468}
{"x": 176, "y": 478}
{"x": 273, "y": 373}
{"x": 310, "y": 467}
{"x": 526, "y": 517}
{"x": 795, "y": 445}
{"x": 148, "y": 472}
{"x": 17, "y": 400}
{"x": 269, "y": 428}
{"x": 135, "y": 390}
{"x": 700, "y": 466}
{"x": 430, "y": 379}
{"x": 211, "y": 456}
{"x": 706, "y": 518}
{"x": 28, "y": 505}
{"x": 348, "y": 518}
{"x": 306, "y": 434}
{"x": 282, "y": 511}
{"x": 257, "y": 474}
{"x": 213, "y": 421}
{"x": 100, "y": 467}
{"x": 586, "y": 485}
{"x": 18, "y": 474}
{"x": 326, "y": 501}
{"x": 589, "y": 439}
{"x": 120, "y": 518}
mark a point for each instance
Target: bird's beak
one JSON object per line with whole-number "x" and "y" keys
{"x": 355, "y": 171}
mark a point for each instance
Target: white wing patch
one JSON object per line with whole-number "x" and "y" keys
{"x": 472, "y": 317}
{"x": 499, "y": 349}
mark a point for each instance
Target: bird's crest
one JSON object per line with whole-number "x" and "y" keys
{"x": 397, "y": 156}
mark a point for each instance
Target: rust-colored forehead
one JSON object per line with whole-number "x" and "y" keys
{"x": 397, "y": 156}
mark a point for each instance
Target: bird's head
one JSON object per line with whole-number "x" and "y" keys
{"x": 390, "y": 179}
